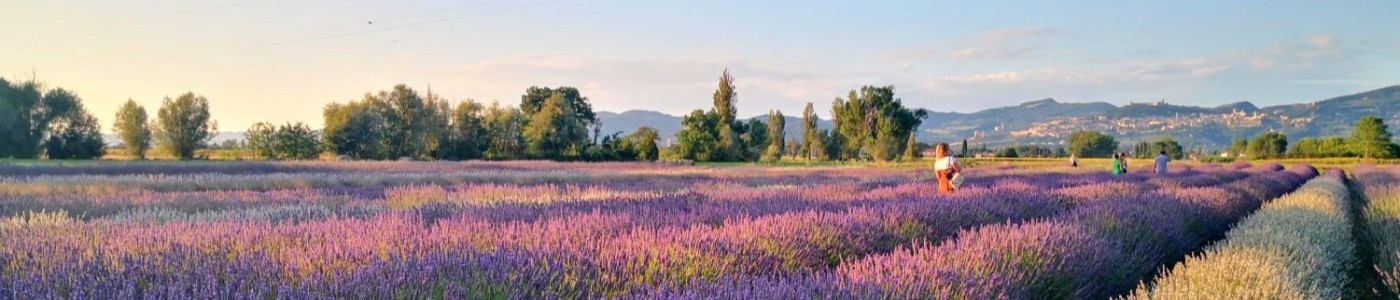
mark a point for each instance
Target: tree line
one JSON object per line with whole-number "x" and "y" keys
{"x": 36, "y": 121}
{"x": 1371, "y": 138}
{"x": 400, "y": 123}
{"x": 869, "y": 124}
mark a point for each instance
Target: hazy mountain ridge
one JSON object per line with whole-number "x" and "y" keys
{"x": 667, "y": 125}
{"x": 1048, "y": 121}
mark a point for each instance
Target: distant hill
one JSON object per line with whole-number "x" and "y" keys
{"x": 950, "y": 125}
{"x": 1047, "y": 121}
{"x": 668, "y": 125}
{"x": 112, "y": 139}
{"x": 1336, "y": 116}
{"x": 628, "y": 121}
{"x": 1241, "y": 106}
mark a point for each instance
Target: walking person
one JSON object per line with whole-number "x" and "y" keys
{"x": 947, "y": 168}
{"x": 1162, "y": 160}
{"x": 1073, "y": 161}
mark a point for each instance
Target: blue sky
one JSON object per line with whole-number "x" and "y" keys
{"x": 267, "y": 60}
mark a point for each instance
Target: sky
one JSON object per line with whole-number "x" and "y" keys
{"x": 282, "y": 61}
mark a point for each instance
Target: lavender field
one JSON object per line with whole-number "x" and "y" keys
{"x": 531, "y": 230}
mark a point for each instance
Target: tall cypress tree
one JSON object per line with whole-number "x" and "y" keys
{"x": 725, "y": 98}
{"x": 813, "y": 140}
{"x": 777, "y": 135}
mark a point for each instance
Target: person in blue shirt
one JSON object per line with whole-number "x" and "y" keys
{"x": 1162, "y": 160}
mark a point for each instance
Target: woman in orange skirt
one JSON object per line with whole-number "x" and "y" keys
{"x": 945, "y": 166}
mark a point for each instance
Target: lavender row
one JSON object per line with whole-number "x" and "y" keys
{"x": 1381, "y": 186}
{"x": 523, "y": 200}
{"x": 1093, "y": 252}
{"x": 585, "y": 250}
{"x": 1297, "y": 247}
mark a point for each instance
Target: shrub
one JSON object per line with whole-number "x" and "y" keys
{"x": 1297, "y": 247}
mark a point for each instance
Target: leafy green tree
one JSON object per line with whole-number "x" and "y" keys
{"x": 813, "y": 140}
{"x": 389, "y": 124}
{"x": 74, "y": 134}
{"x": 559, "y": 109}
{"x": 20, "y": 110}
{"x": 535, "y": 98}
{"x": 1091, "y": 144}
{"x": 613, "y": 147}
{"x": 1238, "y": 146}
{"x": 1009, "y": 152}
{"x": 468, "y": 132}
{"x": 26, "y": 112}
{"x": 296, "y": 142}
{"x": 356, "y": 129}
{"x": 286, "y": 142}
{"x": 544, "y": 133}
{"x": 1030, "y": 150}
{"x": 830, "y": 144}
{"x": 911, "y": 149}
{"x": 437, "y": 128}
{"x": 1173, "y": 149}
{"x": 717, "y": 135}
{"x": 755, "y": 139}
{"x": 849, "y": 119}
{"x": 1144, "y": 149}
{"x": 1372, "y": 139}
{"x": 1334, "y": 147}
{"x": 1268, "y": 145}
{"x": 16, "y": 101}
{"x": 794, "y": 147}
{"x": 776, "y": 135}
{"x": 183, "y": 125}
{"x": 133, "y": 128}
{"x": 502, "y": 132}
{"x": 698, "y": 139}
{"x": 643, "y": 142}
{"x": 414, "y": 122}
{"x": 1304, "y": 147}
{"x": 871, "y": 121}
{"x": 725, "y": 99}
{"x": 261, "y": 137}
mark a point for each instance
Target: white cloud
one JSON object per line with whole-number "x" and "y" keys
{"x": 680, "y": 83}
{"x": 999, "y": 77}
{"x": 1000, "y": 36}
{"x": 670, "y": 84}
{"x": 1325, "y": 64}
{"x": 1322, "y": 41}
{"x": 1180, "y": 69}
{"x": 990, "y": 53}
{"x": 991, "y": 45}
{"x": 1318, "y": 55}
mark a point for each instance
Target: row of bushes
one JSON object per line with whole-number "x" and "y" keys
{"x": 1382, "y": 188}
{"x": 1297, "y": 247}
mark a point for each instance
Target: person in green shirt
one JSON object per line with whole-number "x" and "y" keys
{"x": 1117, "y": 164}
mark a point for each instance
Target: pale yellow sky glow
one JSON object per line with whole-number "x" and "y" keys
{"x": 279, "y": 61}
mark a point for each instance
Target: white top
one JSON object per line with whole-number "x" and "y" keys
{"x": 945, "y": 163}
